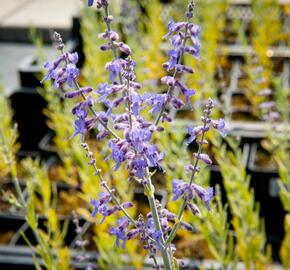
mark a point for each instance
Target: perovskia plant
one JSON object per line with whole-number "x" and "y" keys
{"x": 131, "y": 133}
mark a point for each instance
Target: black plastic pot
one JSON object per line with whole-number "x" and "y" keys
{"x": 264, "y": 180}
{"x": 28, "y": 107}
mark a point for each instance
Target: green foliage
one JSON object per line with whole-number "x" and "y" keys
{"x": 212, "y": 22}
{"x": 215, "y": 228}
{"x": 9, "y": 134}
{"x": 213, "y": 225}
{"x": 262, "y": 24}
{"x": 278, "y": 143}
{"x": 93, "y": 71}
{"x": 40, "y": 201}
{"x": 146, "y": 43}
{"x": 249, "y": 228}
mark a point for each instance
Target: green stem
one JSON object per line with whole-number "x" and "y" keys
{"x": 182, "y": 208}
{"x": 149, "y": 192}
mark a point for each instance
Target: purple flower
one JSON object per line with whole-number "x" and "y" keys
{"x": 114, "y": 67}
{"x": 178, "y": 188}
{"x": 193, "y": 208}
{"x": 123, "y": 47}
{"x": 153, "y": 155}
{"x": 193, "y": 50}
{"x": 72, "y": 72}
{"x": 80, "y": 128}
{"x": 193, "y": 132}
{"x": 139, "y": 165}
{"x": 157, "y": 237}
{"x": 104, "y": 89}
{"x": 177, "y": 39}
{"x": 120, "y": 231}
{"x": 184, "y": 90}
{"x": 267, "y": 105}
{"x": 174, "y": 55}
{"x": 103, "y": 200}
{"x": 90, "y": 3}
{"x": 222, "y": 127}
{"x": 194, "y": 29}
{"x": 187, "y": 226}
{"x": 156, "y": 101}
{"x": 133, "y": 233}
{"x": 72, "y": 58}
{"x": 117, "y": 154}
{"x": 176, "y": 102}
{"x": 203, "y": 157}
{"x": 182, "y": 68}
{"x": 52, "y": 68}
{"x": 204, "y": 194}
{"x": 80, "y": 110}
{"x": 139, "y": 138}
{"x": 174, "y": 27}
{"x": 73, "y": 94}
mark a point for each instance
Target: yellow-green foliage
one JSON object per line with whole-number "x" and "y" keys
{"x": 248, "y": 227}
{"x": 50, "y": 243}
{"x": 210, "y": 15}
{"x": 282, "y": 157}
{"x": 93, "y": 70}
{"x": 213, "y": 225}
{"x": 278, "y": 143}
{"x": 285, "y": 246}
{"x": 76, "y": 165}
{"x": 8, "y": 148}
{"x": 8, "y": 138}
{"x": 146, "y": 44}
{"x": 281, "y": 97}
{"x": 215, "y": 229}
{"x": 266, "y": 32}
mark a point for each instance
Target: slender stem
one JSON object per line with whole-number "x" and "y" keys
{"x": 129, "y": 103}
{"x": 95, "y": 114}
{"x": 113, "y": 47}
{"x": 164, "y": 251}
{"x": 182, "y": 208}
{"x": 171, "y": 88}
{"x": 115, "y": 199}
{"x": 13, "y": 171}
{"x": 152, "y": 203}
{"x": 156, "y": 266}
{"x": 17, "y": 235}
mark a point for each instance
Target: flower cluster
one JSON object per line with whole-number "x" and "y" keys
{"x": 102, "y": 206}
{"x": 131, "y": 133}
{"x": 146, "y": 230}
{"x": 187, "y": 191}
{"x": 63, "y": 69}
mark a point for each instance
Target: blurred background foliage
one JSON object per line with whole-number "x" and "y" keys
{"x": 231, "y": 232}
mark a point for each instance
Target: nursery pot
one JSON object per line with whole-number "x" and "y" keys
{"x": 28, "y": 107}
{"x": 264, "y": 180}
